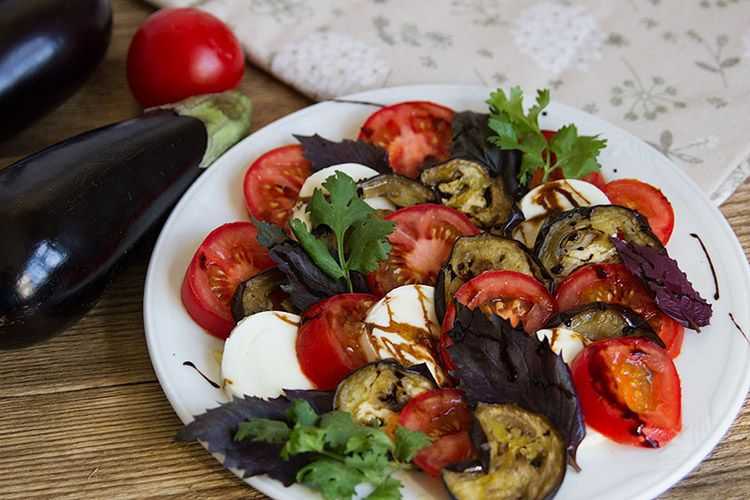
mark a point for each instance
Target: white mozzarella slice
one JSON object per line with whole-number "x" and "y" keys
{"x": 403, "y": 326}
{"x": 560, "y": 195}
{"x": 554, "y": 197}
{"x": 356, "y": 171}
{"x": 260, "y": 358}
{"x": 567, "y": 343}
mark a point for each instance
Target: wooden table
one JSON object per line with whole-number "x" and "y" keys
{"x": 83, "y": 416}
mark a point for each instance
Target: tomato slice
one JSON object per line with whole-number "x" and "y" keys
{"x": 614, "y": 284}
{"x": 420, "y": 244}
{"x": 412, "y": 132}
{"x": 517, "y": 297}
{"x": 273, "y": 181}
{"x": 443, "y": 415}
{"x": 629, "y": 391}
{"x": 228, "y": 256}
{"x": 646, "y": 199}
{"x": 328, "y": 340}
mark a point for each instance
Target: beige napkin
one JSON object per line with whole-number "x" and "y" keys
{"x": 674, "y": 72}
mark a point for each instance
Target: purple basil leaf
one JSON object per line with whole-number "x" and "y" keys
{"x": 673, "y": 292}
{"x": 218, "y": 426}
{"x": 496, "y": 363}
{"x": 322, "y": 153}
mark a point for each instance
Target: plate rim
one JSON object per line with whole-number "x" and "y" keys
{"x": 274, "y": 488}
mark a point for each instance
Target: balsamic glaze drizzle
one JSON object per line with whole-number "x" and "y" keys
{"x": 710, "y": 264}
{"x": 192, "y": 365}
{"x": 739, "y": 328}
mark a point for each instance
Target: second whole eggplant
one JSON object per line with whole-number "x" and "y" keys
{"x": 70, "y": 212}
{"x": 48, "y": 48}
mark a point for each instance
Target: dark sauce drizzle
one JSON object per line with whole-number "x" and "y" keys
{"x": 364, "y": 103}
{"x": 739, "y": 328}
{"x": 192, "y": 365}
{"x": 710, "y": 264}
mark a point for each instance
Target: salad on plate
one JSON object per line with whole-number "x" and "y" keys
{"x": 456, "y": 294}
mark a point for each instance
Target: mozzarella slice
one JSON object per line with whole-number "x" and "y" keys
{"x": 260, "y": 358}
{"x": 551, "y": 198}
{"x": 403, "y": 326}
{"x": 567, "y": 343}
{"x": 356, "y": 171}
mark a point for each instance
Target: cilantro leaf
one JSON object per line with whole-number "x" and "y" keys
{"x": 576, "y": 154}
{"x": 316, "y": 249}
{"x": 369, "y": 244}
{"x": 389, "y": 489}
{"x": 409, "y": 443}
{"x": 369, "y": 438}
{"x": 263, "y": 429}
{"x": 517, "y": 130}
{"x": 339, "y": 427}
{"x": 342, "y": 209}
{"x": 335, "y": 480}
{"x": 302, "y": 413}
{"x": 304, "y": 439}
{"x": 374, "y": 465}
{"x": 354, "y": 225}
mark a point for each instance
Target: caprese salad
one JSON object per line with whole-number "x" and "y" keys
{"x": 456, "y": 291}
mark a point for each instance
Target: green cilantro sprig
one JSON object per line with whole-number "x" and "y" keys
{"x": 345, "y": 453}
{"x": 576, "y": 155}
{"x": 360, "y": 235}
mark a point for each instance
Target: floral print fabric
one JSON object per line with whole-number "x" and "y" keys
{"x": 674, "y": 72}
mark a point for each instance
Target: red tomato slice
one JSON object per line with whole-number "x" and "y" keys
{"x": 328, "y": 341}
{"x": 420, "y": 244}
{"x": 629, "y": 391}
{"x": 412, "y": 133}
{"x": 614, "y": 284}
{"x": 647, "y": 200}
{"x": 228, "y": 256}
{"x": 443, "y": 415}
{"x": 273, "y": 181}
{"x": 517, "y": 297}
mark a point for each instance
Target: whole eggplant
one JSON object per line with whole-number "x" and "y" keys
{"x": 69, "y": 213}
{"x": 48, "y": 48}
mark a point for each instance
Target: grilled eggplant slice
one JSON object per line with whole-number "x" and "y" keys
{"x": 599, "y": 320}
{"x": 399, "y": 190}
{"x": 261, "y": 293}
{"x": 377, "y": 392}
{"x": 467, "y": 186}
{"x": 582, "y": 236}
{"x": 523, "y": 456}
{"x": 472, "y": 255}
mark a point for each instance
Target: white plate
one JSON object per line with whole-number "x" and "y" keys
{"x": 713, "y": 365}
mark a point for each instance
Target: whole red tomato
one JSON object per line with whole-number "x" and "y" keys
{"x": 178, "y": 53}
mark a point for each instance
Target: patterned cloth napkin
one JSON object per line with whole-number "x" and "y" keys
{"x": 674, "y": 72}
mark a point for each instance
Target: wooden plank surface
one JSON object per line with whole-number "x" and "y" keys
{"x": 82, "y": 416}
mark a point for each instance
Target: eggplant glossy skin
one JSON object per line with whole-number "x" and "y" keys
{"x": 48, "y": 48}
{"x": 71, "y": 211}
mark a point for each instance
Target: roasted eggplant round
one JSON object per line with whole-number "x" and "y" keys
{"x": 399, "y": 190}
{"x": 599, "y": 320}
{"x": 261, "y": 293}
{"x": 376, "y": 393}
{"x": 523, "y": 456}
{"x": 472, "y": 255}
{"x": 467, "y": 186}
{"x": 583, "y": 236}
